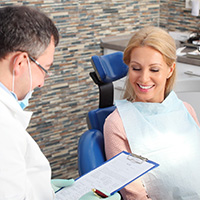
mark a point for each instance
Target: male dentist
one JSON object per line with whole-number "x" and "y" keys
{"x": 27, "y": 43}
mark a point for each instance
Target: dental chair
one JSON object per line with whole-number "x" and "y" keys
{"x": 107, "y": 68}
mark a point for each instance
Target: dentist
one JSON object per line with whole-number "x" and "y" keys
{"x": 27, "y": 44}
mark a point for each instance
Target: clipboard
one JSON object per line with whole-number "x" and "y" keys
{"x": 110, "y": 177}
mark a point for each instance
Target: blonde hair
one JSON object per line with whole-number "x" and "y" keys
{"x": 159, "y": 40}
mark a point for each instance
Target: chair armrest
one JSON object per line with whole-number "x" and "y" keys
{"x": 90, "y": 151}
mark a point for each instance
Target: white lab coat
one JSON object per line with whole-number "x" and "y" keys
{"x": 25, "y": 173}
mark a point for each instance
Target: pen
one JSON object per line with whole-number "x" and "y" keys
{"x": 100, "y": 193}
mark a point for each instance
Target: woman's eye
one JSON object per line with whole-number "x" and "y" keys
{"x": 154, "y": 70}
{"x": 136, "y": 68}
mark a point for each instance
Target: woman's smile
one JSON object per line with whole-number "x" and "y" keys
{"x": 145, "y": 88}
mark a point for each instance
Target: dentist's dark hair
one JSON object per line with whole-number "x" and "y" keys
{"x": 25, "y": 29}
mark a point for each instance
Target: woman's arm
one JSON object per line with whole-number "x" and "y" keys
{"x": 115, "y": 142}
{"x": 192, "y": 112}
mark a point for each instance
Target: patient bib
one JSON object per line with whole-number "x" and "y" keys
{"x": 167, "y": 134}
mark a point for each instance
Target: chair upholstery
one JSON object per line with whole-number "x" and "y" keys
{"x": 108, "y": 68}
{"x": 96, "y": 118}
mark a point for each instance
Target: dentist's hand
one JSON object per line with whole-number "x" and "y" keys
{"x": 92, "y": 196}
{"x": 59, "y": 183}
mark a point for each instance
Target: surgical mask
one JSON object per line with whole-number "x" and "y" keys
{"x": 24, "y": 102}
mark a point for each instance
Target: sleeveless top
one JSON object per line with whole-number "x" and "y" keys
{"x": 167, "y": 134}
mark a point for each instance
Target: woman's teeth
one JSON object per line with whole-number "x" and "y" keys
{"x": 145, "y": 87}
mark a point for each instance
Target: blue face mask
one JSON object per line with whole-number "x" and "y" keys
{"x": 24, "y": 102}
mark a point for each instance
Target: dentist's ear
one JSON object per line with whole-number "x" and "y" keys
{"x": 20, "y": 62}
{"x": 14, "y": 60}
{"x": 171, "y": 70}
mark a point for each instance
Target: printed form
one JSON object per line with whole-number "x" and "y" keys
{"x": 110, "y": 177}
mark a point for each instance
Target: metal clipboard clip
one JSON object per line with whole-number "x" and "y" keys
{"x": 136, "y": 158}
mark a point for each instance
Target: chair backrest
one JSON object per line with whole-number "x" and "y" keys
{"x": 108, "y": 68}
{"x": 96, "y": 118}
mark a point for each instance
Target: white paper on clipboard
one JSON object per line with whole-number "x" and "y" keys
{"x": 110, "y": 177}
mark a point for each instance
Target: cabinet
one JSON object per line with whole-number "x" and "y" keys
{"x": 187, "y": 85}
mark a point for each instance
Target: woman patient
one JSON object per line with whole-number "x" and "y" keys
{"x": 153, "y": 122}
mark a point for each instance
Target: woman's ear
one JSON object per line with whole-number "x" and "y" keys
{"x": 20, "y": 62}
{"x": 171, "y": 70}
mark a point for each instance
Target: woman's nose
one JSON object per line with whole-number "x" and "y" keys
{"x": 144, "y": 76}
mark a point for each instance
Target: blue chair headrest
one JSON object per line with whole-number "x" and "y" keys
{"x": 109, "y": 67}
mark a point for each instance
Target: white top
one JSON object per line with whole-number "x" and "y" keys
{"x": 25, "y": 173}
